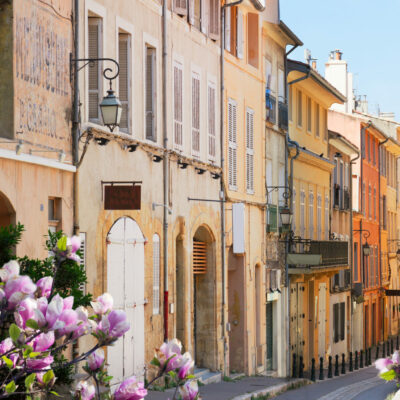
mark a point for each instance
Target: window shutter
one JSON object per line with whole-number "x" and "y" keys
{"x": 239, "y": 30}
{"x": 180, "y": 7}
{"x": 211, "y": 122}
{"x": 294, "y": 210}
{"x": 178, "y": 115}
{"x": 204, "y": 16}
{"x": 82, "y": 248}
{"x": 94, "y": 47}
{"x": 250, "y": 151}
{"x": 124, "y": 78}
{"x": 342, "y": 320}
{"x": 326, "y": 218}
{"x": 156, "y": 274}
{"x": 316, "y": 119}
{"x": 199, "y": 257}
{"x": 336, "y": 322}
{"x": 191, "y": 11}
{"x": 150, "y": 93}
{"x": 319, "y": 216}
{"x": 228, "y": 28}
{"x": 214, "y": 19}
{"x": 311, "y": 215}
{"x": 195, "y": 114}
{"x": 232, "y": 144}
{"x": 302, "y": 213}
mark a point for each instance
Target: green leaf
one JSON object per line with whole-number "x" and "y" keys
{"x": 14, "y": 332}
{"x": 34, "y": 354}
{"x": 190, "y": 377}
{"x": 172, "y": 374}
{"x": 28, "y": 397}
{"x": 48, "y": 376}
{"x": 8, "y": 362}
{"x": 155, "y": 362}
{"x": 62, "y": 243}
{"x": 29, "y": 380}
{"x": 27, "y": 351}
{"x": 388, "y": 375}
{"x": 11, "y": 387}
{"x": 31, "y": 323}
{"x": 54, "y": 393}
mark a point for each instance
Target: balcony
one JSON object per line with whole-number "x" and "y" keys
{"x": 308, "y": 256}
{"x": 283, "y": 115}
{"x": 270, "y": 106}
{"x": 346, "y": 199}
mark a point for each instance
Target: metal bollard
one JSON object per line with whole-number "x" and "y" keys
{"x": 343, "y": 371}
{"x": 361, "y": 359}
{"x": 336, "y": 365}
{"x": 383, "y": 350}
{"x": 330, "y": 367}
{"x": 294, "y": 366}
{"x": 391, "y": 346}
{"x": 313, "y": 369}
{"x": 321, "y": 369}
{"x": 388, "y": 349}
{"x": 356, "y": 361}
{"x": 301, "y": 367}
{"x": 377, "y": 352}
{"x": 351, "y": 362}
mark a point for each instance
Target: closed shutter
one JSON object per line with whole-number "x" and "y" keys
{"x": 178, "y": 115}
{"x": 302, "y": 213}
{"x": 319, "y": 217}
{"x": 239, "y": 36}
{"x": 342, "y": 320}
{"x": 232, "y": 145}
{"x": 199, "y": 257}
{"x": 228, "y": 28}
{"x": 299, "y": 108}
{"x": 180, "y": 7}
{"x": 156, "y": 274}
{"x": 326, "y": 217}
{"x": 211, "y": 121}
{"x": 82, "y": 248}
{"x": 316, "y": 120}
{"x": 94, "y": 47}
{"x": 309, "y": 114}
{"x": 124, "y": 80}
{"x": 250, "y": 151}
{"x": 150, "y": 93}
{"x": 336, "y": 322}
{"x": 294, "y": 211}
{"x": 311, "y": 215}
{"x": 205, "y": 11}
{"x": 377, "y": 283}
{"x": 195, "y": 114}
{"x": 214, "y": 19}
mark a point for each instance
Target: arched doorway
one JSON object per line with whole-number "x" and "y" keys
{"x": 125, "y": 282}
{"x": 7, "y": 212}
{"x": 204, "y": 281}
{"x": 180, "y": 292}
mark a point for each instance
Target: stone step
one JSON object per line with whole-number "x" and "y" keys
{"x": 205, "y": 376}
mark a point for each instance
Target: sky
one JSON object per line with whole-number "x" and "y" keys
{"x": 368, "y": 34}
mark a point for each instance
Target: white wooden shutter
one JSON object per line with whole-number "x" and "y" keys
{"x": 195, "y": 114}
{"x": 214, "y": 19}
{"x": 178, "y": 114}
{"x": 232, "y": 145}
{"x": 250, "y": 150}
{"x": 319, "y": 216}
{"x": 95, "y": 82}
{"x": 180, "y": 7}
{"x": 326, "y": 218}
{"x": 150, "y": 93}
{"x": 82, "y": 248}
{"x": 205, "y": 10}
{"x": 239, "y": 34}
{"x": 311, "y": 215}
{"x": 156, "y": 274}
{"x": 211, "y": 121}
{"x": 191, "y": 11}
{"x": 228, "y": 28}
{"x": 302, "y": 213}
{"x": 124, "y": 79}
{"x": 268, "y": 75}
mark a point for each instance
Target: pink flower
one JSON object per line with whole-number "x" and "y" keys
{"x": 9, "y": 271}
{"x": 130, "y": 389}
{"x": 83, "y": 325}
{"x": 96, "y": 360}
{"x": 39, "y": 363}
{"x": 17, "y": 289}
{"x": 43, "y": 342}
{"x": 103, "y": 304}
{"x": 383, "y": 364}
{"x": 44, "y": 286}
{"x": 170, "y": 350}
{"x": 39, "y": 378}
{"x": 85, "y": 391}
{"x": 73, "y": 245}
{"x": 189, "y": 390}
{"x": 69, "y": 318}
{"x": 59, "y": 313}
{"x": 5, "y": 346}
{"x": 25, "y": 311}
{"x": 68, "y": 302}
{"x": 396, "y": 357}
{"x": 114, "y": 325}
{"x": 186, "y": 363}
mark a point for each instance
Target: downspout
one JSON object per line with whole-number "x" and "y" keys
{"x": 165, "y": 165}
{"x": 222, "y": 187}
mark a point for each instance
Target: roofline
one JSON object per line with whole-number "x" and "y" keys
{"x": 294, "y": 65}
{"x": 257, "y": 5}
{"x": 338, "y": 136}
{"x": 290, "y": 34}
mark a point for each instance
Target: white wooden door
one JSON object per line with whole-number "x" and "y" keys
{"x": 125, "y": 282}
{"x": 321, "y": 319}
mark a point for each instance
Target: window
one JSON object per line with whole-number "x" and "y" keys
{"x": 299, "y": 108}
{"x": 369, "y": 202}
{"x": 124, "y": 44}
{"x": 294, "y": 215}
{"x": 325, "y": 125}
{"x": 232, "y": 145}
{"x": 376, "y": 266}
{"x": 363, "y": 199}
{"x": 302, "y": 213}
{"x": 319, "y": 217}
{"x": 150, "y": 93}
{"x": 355, "y": 262}
{"x": 213, "y": 27}
{"x": 339, "y": 322}
{"x": 373, "y": 151}
{"x": 384, "y": 212}
{"x": 368, "y": 148}
{"x": 82, "y": 262}
{"x": 156, "y": 274}
{"x": 311, "y": 215}
{"x": 228, "y": 29}
{"x": 195, "y": 114}
{"x": 363, "y": 143}
{"x": 341, "y": 185}
{"x": 239, "y": 34}
{"x": 252, "y": 39}
{"x": 375, "y": 204}
{"x": 54, "y": 214}
{"x": 290, "y": 104}
{"x": 178, "y": 102}
{"x": 211, "y": 121}
{"x": 250, "y": 150}
{"x": 95, "y": 76}
{"x": 316, "y": 123}
{"x": 180, "y": 7}
{"x": 309, "y": 114}
{"x": 195, "y": 13}
{"x": 281, "y": 85}
{"x": 326, "y": 218}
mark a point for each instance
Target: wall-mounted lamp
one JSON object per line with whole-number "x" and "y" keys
{"x": 338, "y": 155}
{"x": 18, "y": 147}
{"x": 215, "y": 175}
{"x": 101, "y": 141}
{"x": 182, "y": 164}
{"x": 131, "y": 147}
{"x": 157, "y": 158}
{"x": 200, "y": 171}
{"x": 154, "y": 205}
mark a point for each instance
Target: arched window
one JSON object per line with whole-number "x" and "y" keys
{"x": 156, "y": 274}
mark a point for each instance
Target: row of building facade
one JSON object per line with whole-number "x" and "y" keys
{"x": 220, "y": 132}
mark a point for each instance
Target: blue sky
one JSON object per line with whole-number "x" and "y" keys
{"x": 368, "y": 34}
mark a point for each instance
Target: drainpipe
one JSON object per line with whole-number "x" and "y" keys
{"x": 165, "y": 164}
{"x": 222, "y": 187}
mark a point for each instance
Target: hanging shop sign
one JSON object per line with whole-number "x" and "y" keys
{"x": 122, "y": 195}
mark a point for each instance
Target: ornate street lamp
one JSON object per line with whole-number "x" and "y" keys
{"x": 286, "y": 217}
{"x": 367, "y": 249}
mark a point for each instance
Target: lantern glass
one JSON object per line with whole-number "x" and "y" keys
{"x": 286, "y": 216}
{"x": 111, "y": 110}
{"x": 367, "y": 250}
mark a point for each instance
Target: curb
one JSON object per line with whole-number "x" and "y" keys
{"x": 274, "y": 390}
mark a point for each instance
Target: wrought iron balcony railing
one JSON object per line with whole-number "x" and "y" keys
{"x": 283, "y": 115}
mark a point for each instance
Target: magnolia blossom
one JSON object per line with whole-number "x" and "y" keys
{"x": 72, "y": 246}
{"x": 114, "y": 324}
{"x": 383, "y": 364}
{"x": 44, "y": 286}
{"x": 39, "y": 363}
{"x": 96, "y": 360}
{"x": 189, "y": 390}
{"x": 17, "y": 289}
{"x": 396, "y": 396}
{"x": 170, "y": 351}
{"x": 43, "y": 342}
{"x": 58, "y": 315}
{"x": 25, "y": 311}
{"x": 186, "y": 363}
{"x": 70, "y": 319}
{"x": 103, "y": 304}
{"x": 396, "y": 357}
{"x": 9, "y": 271}
{"x": 130, "y": 389}
{"x": 39, "y": 378}
{"x": 5, "y": 346}
{"x": 85, "y": 391}
{"x": 83, "y": 325}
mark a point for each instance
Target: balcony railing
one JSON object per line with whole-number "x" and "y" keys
{"x": 346, "y": 198}
{"x": 270, "y": 105}
{"x": 283, "y": 115}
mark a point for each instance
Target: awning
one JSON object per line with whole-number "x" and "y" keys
{"x": 304, "y": 259}
{"x": 390, "y": 292}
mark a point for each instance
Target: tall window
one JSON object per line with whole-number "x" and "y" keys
{"x": 294, "y": 210}
{"x": 373, "y": 151}
{"x": 368, "y": 148}
{"x": 95, "y": 77}
{"x": 355, "y": 262}
{"x": 195, "y": 12}
{"x": 250, "y": 150}
{"x": 156, "y": 274}
{"x": 211, "y": 121}
{"x": 325, "y": 126}
{"x": 311, "y": 215}
{"x": 214, "y": 18}
{"x": 326, "y": 217}
{"x": 150, "y": 93}
{"x": 232, "y": 145}
{"x": 302, "y": 212}
{"x": 339, "y": 321}
{"x": 369, "y": 202}
{"x": 376, "y": 266}
{"x": 252, "y": 39}
{"x": 178, "y": 102}
{"x": 364, "y": 207}
{"x": 299, "y": 108}
{"x": 309, "y": 114}
{"x": 54, "y": 214}
{"x": 319, "y": 217}
{"x": 195, "y": 114}
{"x": 374, "y": 203}
{"x": 384, "y": 212}
{"x": 316, "y": 120}
{"x": 124, "y": 44}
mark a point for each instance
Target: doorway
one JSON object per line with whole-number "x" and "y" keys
{"x": 7, "y": 212}
{"x": 270, "y": 337}
{"x": 180, "y": 291}
{"x": 125, "y": 283}
{"x": 321, "y": 319}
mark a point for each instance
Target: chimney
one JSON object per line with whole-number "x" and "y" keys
{"x": 338, "y": 55}
{"x": 314, "y": 64}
